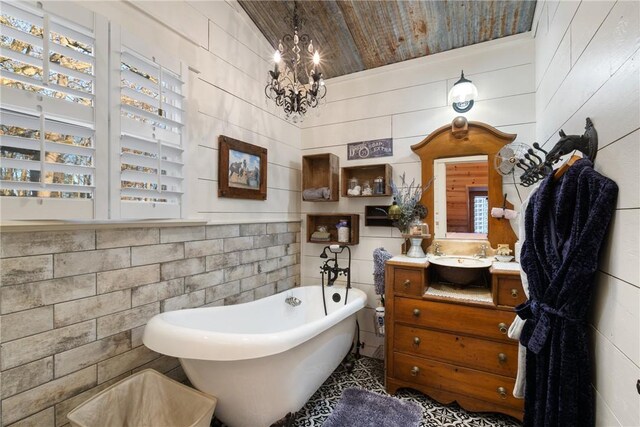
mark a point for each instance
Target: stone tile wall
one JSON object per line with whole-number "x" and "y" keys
{"x": 73, "y": 304}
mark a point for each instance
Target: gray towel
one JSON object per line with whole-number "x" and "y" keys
{"x": 316, "y": 193}
{"x": 380, "y": 256}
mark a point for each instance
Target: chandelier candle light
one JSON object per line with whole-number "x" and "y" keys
{"x": 283, "y": 85}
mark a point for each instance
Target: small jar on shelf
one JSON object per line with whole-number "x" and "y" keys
{"x": 354, "y": 187}
{"x": 366, "y": 189}
{"x": 343, "y": 231}
{"x": 378, "y": 186}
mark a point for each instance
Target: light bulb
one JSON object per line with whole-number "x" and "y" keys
{"x": 277, "y": 57}
{"x": 316, "y": 58}
{"x": 462, "y": 95}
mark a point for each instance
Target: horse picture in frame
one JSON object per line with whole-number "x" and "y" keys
{"x": 242, "y": 170}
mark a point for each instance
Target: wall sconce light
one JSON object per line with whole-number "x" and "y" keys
{"x": 462, "y": 94}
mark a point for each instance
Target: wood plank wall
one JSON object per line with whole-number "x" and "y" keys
{"x": 587, "y": 65}
{"x": 460, "y": 179}
{"x": 228, "y": 59}
{"x": 405, "y": 102}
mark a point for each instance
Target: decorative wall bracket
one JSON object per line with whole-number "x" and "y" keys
{"x": 536, "y": 168}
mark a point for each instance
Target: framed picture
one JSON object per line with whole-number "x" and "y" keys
{"x": 242, "y": 170}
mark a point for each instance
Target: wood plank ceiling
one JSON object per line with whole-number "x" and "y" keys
{"x": 356, "y": 35}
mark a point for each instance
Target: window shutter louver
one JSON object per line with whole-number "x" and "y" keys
{"x": 151, "y": 133}
{"x": 47, "y": 120}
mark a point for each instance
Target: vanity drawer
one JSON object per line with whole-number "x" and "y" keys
{"x": 488, "y": 387}
{"x": 456, "y": 318}
{"x": 510, "y": 292}
{"x": 409, "y": 281}
{"x": 499, "y": 358}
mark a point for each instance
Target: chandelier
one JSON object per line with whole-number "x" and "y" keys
{"x": 284, "y": 86}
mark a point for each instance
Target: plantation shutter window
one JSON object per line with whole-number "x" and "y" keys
{"x": 151, "y": 138}
{"x": 47, "y": 116}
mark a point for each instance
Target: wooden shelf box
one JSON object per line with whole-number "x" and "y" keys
{"x": 321, "y": 170}
{"x": 367, "y": 173}
{"x": 375, "y": 216}
{"x": 330, "y": 221}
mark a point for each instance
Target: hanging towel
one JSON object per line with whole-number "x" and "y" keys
{"x": 516, "y": 327}
{"x": 380, "y": 256}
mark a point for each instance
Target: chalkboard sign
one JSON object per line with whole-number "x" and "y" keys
{"x": 370, "y": 149}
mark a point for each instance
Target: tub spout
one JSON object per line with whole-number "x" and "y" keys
{"x": 293, "y": 301}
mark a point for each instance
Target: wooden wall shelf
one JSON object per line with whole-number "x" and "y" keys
{"x": 374, "y": 217}
{"x": 330, "y": 221}
{"x": 321, "y": 170}
{"x": 367, "y": 173}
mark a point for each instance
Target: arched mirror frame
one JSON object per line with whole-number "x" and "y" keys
{"x": 462, "y": 138}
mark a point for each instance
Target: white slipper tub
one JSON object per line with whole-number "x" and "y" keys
{"x": 261, "y": 359}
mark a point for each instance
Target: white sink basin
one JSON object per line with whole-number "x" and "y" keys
{"x": 460, "y": 261}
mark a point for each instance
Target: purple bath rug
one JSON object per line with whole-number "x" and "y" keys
{"x": 362, "y": 408}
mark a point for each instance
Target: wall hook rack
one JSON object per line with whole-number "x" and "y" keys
{"x": 535, "y": 168}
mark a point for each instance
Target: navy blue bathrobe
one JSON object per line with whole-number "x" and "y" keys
{"x": 565, "y": 222}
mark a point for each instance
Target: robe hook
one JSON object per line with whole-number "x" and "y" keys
{"x": 539, "y": 148}
{"x": 533, "y": 153}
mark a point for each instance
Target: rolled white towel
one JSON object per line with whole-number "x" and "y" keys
{"x": 503, "y": 213}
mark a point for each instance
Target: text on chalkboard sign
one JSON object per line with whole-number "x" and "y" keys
{"x": 370, "y": 149}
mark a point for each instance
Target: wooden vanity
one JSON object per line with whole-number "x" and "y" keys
{"x": 448, "y": 348}
{"x": 446, "y": 340}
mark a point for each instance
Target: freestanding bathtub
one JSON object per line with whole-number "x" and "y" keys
{"x": 264, "y": 358}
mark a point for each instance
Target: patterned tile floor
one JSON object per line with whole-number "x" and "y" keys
{"x": 368, "y": 373}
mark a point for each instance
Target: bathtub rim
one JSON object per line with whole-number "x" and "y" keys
{"x": 189, "y": 343}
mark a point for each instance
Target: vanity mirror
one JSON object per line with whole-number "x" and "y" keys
{"x": 461, "y": 198}
{"x": 466, "y": 186}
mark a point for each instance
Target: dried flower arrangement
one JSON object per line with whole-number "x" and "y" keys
{"x": 407, "y": 197}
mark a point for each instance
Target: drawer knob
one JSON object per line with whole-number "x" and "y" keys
{"x": 416, "y": 340}
{"x": 416, "y": 312}
{"x": 502, "y": 357}
{"x": 503, "y": 328}
{"x": 514, "y": 293}
{"x": 502, "y": 392}
{"x": 415, "y": 371}
{"x": 407, "y": 283}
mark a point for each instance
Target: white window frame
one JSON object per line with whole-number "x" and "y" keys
{"x": 16, "y": 208}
